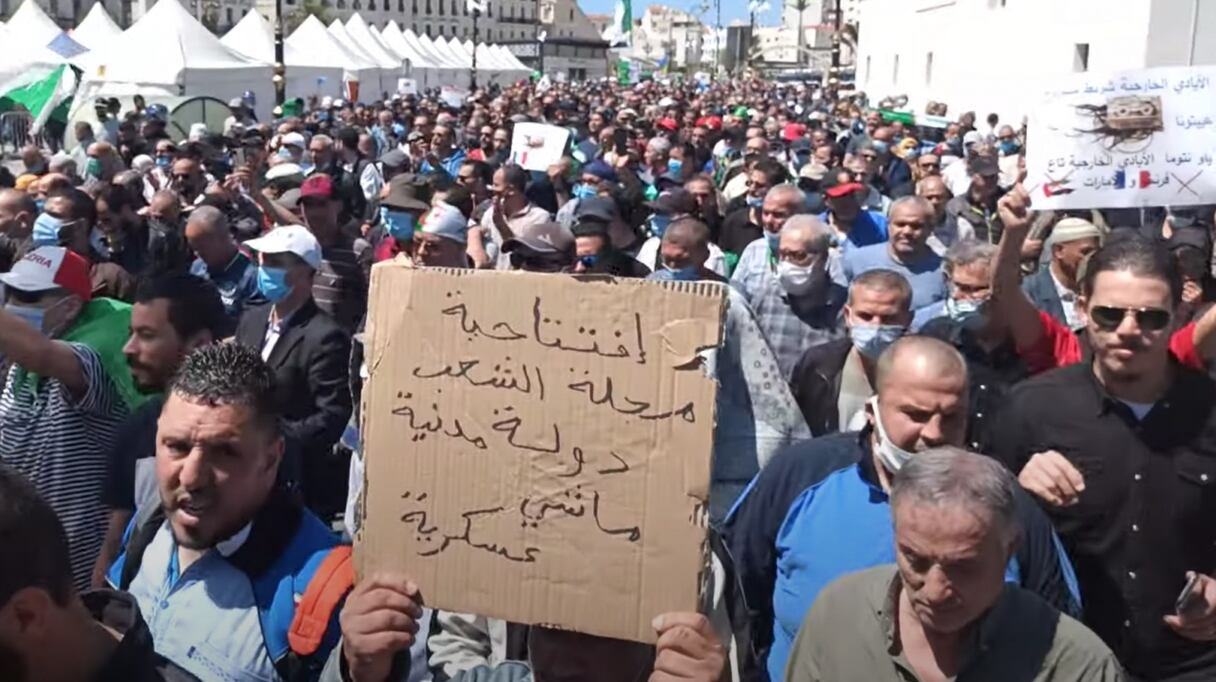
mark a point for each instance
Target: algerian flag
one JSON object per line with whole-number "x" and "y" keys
{"x": 622, "y": 23}
{"x": 41, "y": 91}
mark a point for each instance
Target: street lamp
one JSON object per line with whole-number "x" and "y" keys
{"x": 476, "y": 7}
{"x": 280, "y": 69}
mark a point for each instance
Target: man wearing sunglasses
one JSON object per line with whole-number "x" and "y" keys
{"x": 1121, "y": 451}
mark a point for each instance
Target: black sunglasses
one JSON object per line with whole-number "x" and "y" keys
{"x": 1108, "y": 318}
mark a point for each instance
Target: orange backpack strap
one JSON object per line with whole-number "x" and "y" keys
{"x": 328, "y": 587}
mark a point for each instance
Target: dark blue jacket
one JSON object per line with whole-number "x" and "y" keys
{"x": 817, "y": 512}
{"x": 1041, "y": 290}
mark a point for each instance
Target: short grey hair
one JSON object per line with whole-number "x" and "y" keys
{"x": 804, "y": 207}
{"x": 948, "y": 476}
{"x": 210, "y": 217}
{"x": 325, "y": 140}
{"x": 816, "y": 235}
{"x": 660, "y": 145}
{"x": 968, "y": 252}
{"x": 919, "y": 202}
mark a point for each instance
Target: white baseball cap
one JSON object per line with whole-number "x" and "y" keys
{"x": 289, "y": 239}
{"x": 50, "y": 267}
{"x": 293, "y": 139}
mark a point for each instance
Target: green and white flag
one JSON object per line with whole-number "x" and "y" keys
{"x": 622, "y": 23}
{"x": 40, "y": 89}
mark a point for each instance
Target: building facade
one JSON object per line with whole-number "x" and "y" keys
{"x": 572, "y": 48}
{"x": 998, "y": 55}
{"x": 672, "y": 34}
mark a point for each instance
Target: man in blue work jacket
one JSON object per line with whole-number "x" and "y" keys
{"x": 820, "y": 509}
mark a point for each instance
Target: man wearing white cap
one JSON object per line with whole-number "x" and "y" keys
{"x": 66, "y": 391}
{"x": 309, "y": 354}
{"x": 1054, "y": 289}
{"x": 441, "y": 239}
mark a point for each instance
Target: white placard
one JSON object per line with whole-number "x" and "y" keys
{"x": 453, "y": 96}
{"x": 1123, "y": 140}
{"x": 536, "y": 146}
{"x": 407, "y": 86}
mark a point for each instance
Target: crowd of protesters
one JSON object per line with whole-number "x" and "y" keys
{"x": 997, "y": 447}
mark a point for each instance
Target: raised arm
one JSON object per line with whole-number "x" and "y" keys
{"x": 1008, "y": 299}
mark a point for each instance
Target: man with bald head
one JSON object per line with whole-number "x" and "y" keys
{"x": 946, "y": 230}
{"x": 784, "y": 278}
{"x": 221, "y": 261}
{"x": 17, "y": 214}
{"x": 906, "y": 251}
{"x": 187, "y": 179}
{"x": 820, "y": 508}
{"x": 683, "y": 253}
{"x": 33, "y": 160}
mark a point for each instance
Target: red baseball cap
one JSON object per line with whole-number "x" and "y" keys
{"x": 793, "y": 131}
{"x": 668, "y": 124}
{"x": 841, "y": 182}
{"x": 317, "y": 186}
{"x": 51, "y": 267}
{"x": 714, "y": 122}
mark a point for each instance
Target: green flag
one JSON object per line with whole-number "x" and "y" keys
{"x": 622, "y": 23}
{"x": 42, "y": 96}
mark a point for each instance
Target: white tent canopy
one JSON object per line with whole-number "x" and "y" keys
{"x": 174, "y": 55}
{"x": 306, "y": 73}
{"x": 97, "y": 29}
{"x": 510, "y": 59}
{"x": 30, "y": 24}
{"x": 312, "y": 36}
{"x": 356, "y": 28}
{"x": 384, "y": 75}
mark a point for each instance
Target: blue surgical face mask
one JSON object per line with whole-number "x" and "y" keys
{"x": 164, "y": 162}
{"x": 272, "y": 283}
{"x": 658, "y": 224}
{"x": 872, "y": 339}
{"x": 589, "y": 261}
{"x": 674, "y": 166}
{"x": 1009, "y": 148}
{"x": 584, "y": 191}
{"x": 688, "y": 274}
{"x": 970, "y": 313}
{"x": 755, "y": 202}
{"x": 97, "y": 240}
{"x": 774, "y": 241}
{"x": 39, "y": 205}
{"x": 34, "y": 316}
{"x": 285, "y": 153}
{"x": 46, "y": 230}
{"x": 881, "y": 147}
{"x": 399, "y": 224}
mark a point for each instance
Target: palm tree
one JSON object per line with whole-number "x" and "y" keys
{"x": 801, "y": 6}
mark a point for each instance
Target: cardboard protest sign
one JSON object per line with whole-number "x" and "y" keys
{"x": 453, "y": 96}
{"x": 1122, "y": 140}
{"x": 537, "y": 446}
{"x": 536, "y": 146}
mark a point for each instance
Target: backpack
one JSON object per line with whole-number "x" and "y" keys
{"x": 293, "y": 551}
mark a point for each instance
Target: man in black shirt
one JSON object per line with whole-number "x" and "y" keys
{"x": 1121, "y": 451}
{"x": 48, "y": 631}
{"x": 173, "y": 314}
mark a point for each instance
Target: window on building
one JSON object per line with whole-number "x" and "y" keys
{"x": 228, "y": 15}
{"x": 356, "y": 5}
{"x": 428, "y": 30}
{"x": 414, "y": 8}
{"x": 489, "y": 11}
{"x": 401, "y": 6}
{"x": 571, "y": 14}
{"x": 895, "y": 71}
{"x": 441, "y": 12}
{"x": 454, "y": 11}
{"x": 341, "y": 4}
{"x": 428, "y": 6}
{"x": 371, "y": 5}
{"x": 928, "y": 68}
{"x": 1080, "y": 58}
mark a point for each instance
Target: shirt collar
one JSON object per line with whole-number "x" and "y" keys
{"x": 229, "y": 547}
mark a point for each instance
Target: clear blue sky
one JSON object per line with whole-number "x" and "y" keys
{"x": 731, "y": 9}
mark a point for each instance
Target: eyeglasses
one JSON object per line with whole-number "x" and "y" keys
{"x": 931, "y": 166}
{"x": 1108, "y": 318}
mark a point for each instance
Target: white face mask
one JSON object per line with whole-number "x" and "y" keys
{"x": 893, "y": 457}
{"x": 797, "y": 279}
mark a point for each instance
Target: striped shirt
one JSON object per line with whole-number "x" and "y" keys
{"x": 340, "y": 288}
{"x": 60, "y": 444}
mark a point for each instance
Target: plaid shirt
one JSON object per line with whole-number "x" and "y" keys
{"x": 790, "y": 325}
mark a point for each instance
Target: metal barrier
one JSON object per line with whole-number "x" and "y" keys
{"x": 15, "y": 132}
